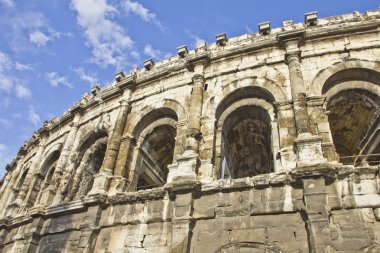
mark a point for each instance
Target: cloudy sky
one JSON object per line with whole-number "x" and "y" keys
{"x": 53, "y": 51}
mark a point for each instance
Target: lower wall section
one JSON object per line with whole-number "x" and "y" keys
{"x": 279, "y": 233}
{"x": 314, "y": 213}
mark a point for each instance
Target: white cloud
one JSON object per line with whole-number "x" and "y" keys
{"x": 139, "y": 10}
{"x": 155, "y": 53}
{"x": 26, "y": 29}
{"x": 5, "y": 62}
{"x": 4, "y": 158}
{"x": 22, "y": 92}
{"x": 6, "y": 83}
{"x": 107, "y": 39}
{"x": 151, "y": 52}
{"x": 33, "y": 116}
{"x": 8, "y": 3}
{"x": 87, "y": 77}
{"x": 55, "y": 80}
{"x": 196, "y": 39}
{"x": 21, "y": 66}
{"x": 5, "y": 123}
{"x": 136, "y": 55}
{"x": 39, "y": 38}
{"x": 248, "y": 29}
{"x": 5, "y": 101}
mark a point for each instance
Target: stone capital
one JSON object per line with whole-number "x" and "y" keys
{"x": 197, "y": 78}
{"x": 291, "y": 57}
{"x": 128, "y": 138}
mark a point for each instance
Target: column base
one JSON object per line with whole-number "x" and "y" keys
{"x": 288, "y": 159}
{"x": 101, "y": 183}
{"x": 184, "y": 168}
{"x": 309, "y": 150}
{"x": 117, "y": 185}
{"x": 205, "y": 172}
{"x": 47, "y": 197}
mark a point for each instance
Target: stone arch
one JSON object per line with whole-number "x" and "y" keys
{"x": 90, "y": 158}
{"x": 50, "y": 150}
{"x": 44, "y": 176}
{"x": 89, "y": 137}
{"x": 156, "y": 143}
{"x": 353, "y": 69}
{"x": 352, "y": 91}
{"x": 247, "y": 111}
{"x": 165, "y": 105}
{"x": 272, "y": 88}
{"x": 252, "y": 247}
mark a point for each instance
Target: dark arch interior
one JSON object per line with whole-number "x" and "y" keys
{"x": 49, "y": 164}
{"x": 353, "y": 116}
{"x": 155, "y": 155}
{"x": 92, "y": 167}
{"x": 246, "y": 143}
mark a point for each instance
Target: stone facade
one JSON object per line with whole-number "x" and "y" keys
{"x": 265, "y": 142}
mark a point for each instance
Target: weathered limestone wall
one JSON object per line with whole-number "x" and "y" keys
{"x": 262, "y": 213}
{"x": 59, "y": 196}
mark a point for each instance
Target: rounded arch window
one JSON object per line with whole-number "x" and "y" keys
{"x": 353, "y": 113}
{"x": 246, "y": 143}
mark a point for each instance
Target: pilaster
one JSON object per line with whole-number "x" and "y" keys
{"x": 185, "y": 165}
{"x": 309, "y": 149}
{"x": 61, "y": 173}
{"x": 31, "y": 179}
{"x": 109, "y": 173}
{"x": 317, "y": 211}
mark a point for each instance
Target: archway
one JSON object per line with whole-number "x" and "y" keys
{"x": 154, "y": 150}
{"x": 353, "y": 104}
{"x": 246, "y": 143}
{"x": 44, "y": 177}
{"x": 157, "y": 150}
{"x": 243, "y": 136}
{"x": 90, "y": 160}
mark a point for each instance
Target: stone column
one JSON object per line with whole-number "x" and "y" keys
{"x": 31, "y": 179}
{"x": 193, "y": 134}
{"x": 46, "y": 196}
{"x": 61, "y": 174}
{"x": 186, "y": 164}
{"x": 103, "y": 179}
{"x": 309, "y": 150}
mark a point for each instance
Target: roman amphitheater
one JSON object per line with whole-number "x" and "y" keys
{"x": 265, "y": 142}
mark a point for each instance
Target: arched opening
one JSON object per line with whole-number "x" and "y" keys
{"x": 243, "y": 136}
{"x": 92, "y": 165}
{"x": 156, "y": 154}
{"x": 354, "y": 117}
{"x": 44, "y": 177}
{"x": 88, "y": 164}
{"x": 353, "y": 106}
{"x": 246, "y": 143}
{"x": 154, "y": 150}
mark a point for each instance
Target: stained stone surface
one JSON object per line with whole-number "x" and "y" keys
{"x": 265, "y": 142}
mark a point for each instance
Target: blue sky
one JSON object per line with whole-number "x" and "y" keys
{"x": 53, "y": 51}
